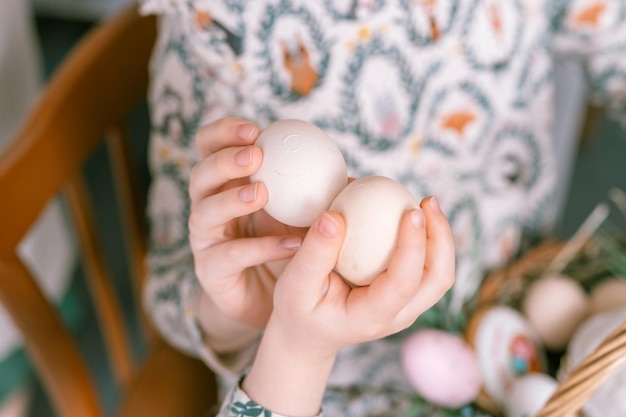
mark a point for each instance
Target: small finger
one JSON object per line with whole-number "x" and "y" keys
{"x": 396, "y": 287}
{"x": 440, "y": 253}
{"x": 211, "y": 173}
{"x": 439, "y": 265}
{"x": 225, "y": 132}
{"x": 307, "y": 275}
{"x": 232, "y": 257}
{"x": 221, "y": 208}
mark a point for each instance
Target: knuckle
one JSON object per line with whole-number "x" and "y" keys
{"x": 233, "y": 251}
{"x": 193, "y": 220}
{"x": 445, "y": 281}
{"x": 193, "y": 178}
{"x": 198, "y": 138}
{"x": 224, "y": 124}
{"x": 370, "y": 332}
{"x": 407, "y": 288}
{"x": 197, "y": 229}
{"x": 220, "y": 160}
{"x": 403, "y": 323}
{"x": 375, "y": 330}
{"x": 450, "y": 278}
{"x": 199, "y": 268}
{"x": 207, "y": 131}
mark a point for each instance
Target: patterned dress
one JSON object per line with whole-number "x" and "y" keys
{"x": 452, "y": 98}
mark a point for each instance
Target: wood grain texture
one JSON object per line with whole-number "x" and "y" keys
{"x": 83, "y": 108}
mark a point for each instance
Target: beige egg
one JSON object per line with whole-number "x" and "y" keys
{"x": 372, "y": 208}
{"x": 608, "y": 295}
{"x": 302, "y": 169}
{"x": 555, "y": 305}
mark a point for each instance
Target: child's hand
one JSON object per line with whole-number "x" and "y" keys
{"x": 230, "y": 238}
{"x": 316, "y": 313}
{"x": 314, "y": 305}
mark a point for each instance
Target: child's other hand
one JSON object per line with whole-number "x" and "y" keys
{"x": 317, "y": 313}
{"x": 231, "y": 239}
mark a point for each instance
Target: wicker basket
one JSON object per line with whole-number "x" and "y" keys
{"x": 508, "y": 285}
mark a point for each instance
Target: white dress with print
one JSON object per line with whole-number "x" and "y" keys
{"x": 452, "y": 98}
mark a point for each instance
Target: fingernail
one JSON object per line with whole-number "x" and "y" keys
{"x": 434, "y": 204}
{"x": 327, "y": 226}
{"x": 291, "y": 242}
{"x": 246, "y": 130}
{"x": 248, "y": 193}
{"x": 243, "y": 158}
{"x": 417, "y": 217}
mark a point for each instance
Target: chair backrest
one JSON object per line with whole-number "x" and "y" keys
{"x": 85, "y": 105}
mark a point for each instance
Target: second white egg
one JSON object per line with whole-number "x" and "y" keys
{"x": 372, "y": 208}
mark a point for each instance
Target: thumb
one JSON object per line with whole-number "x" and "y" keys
{"x": 307, "y": 275}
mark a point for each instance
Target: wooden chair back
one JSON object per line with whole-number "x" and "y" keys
{"x": 85, "y": 106}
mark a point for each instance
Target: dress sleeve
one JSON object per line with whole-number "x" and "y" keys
{"x": 156, "y": 6}
{"x": 238, "y": 404}
{"x": 170, "y": 298}
{"x": 177, "y": 101}
{"x": 595, "y": 32}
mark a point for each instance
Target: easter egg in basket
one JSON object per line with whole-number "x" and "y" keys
{"x": 441, "y": 367}
{"x": 506, "y": 347}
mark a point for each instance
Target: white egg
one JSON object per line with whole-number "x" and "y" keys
{"x": 529, "y": 394}
{"x": 303, "y": 170}
{"x": 372, "y": 208}
{"x": 555, "y": 305}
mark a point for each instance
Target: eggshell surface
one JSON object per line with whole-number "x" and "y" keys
{"x": 555, "y": 305}
{"x": 506, "y": 346}
{"x": 529, "y": 394}
{"x": 609, "y": 295}
{"x": 441, "y": 367}
{"x": 302, "y": 169}
{"x": 372, "y": 208}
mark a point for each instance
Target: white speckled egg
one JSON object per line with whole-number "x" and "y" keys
{"x": 555, "y": 305}
{"x": 441, "y": 367}
{"x": 372, "y": 208}
{"x": 529, "y": 394}
{"x": 303, "y": 170}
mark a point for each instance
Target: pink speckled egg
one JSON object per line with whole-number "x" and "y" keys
{"x": 441, "y": 367}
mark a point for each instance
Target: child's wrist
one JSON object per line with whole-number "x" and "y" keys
{"x": 308, "y": 350}
{"x": 221, "y": 333}
{"x": 287, "y": 378}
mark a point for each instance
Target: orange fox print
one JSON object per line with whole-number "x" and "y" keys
{"x": 458, "y": 121}
{"x": 590, "y": 16}
{"x": 298, "y": 64}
